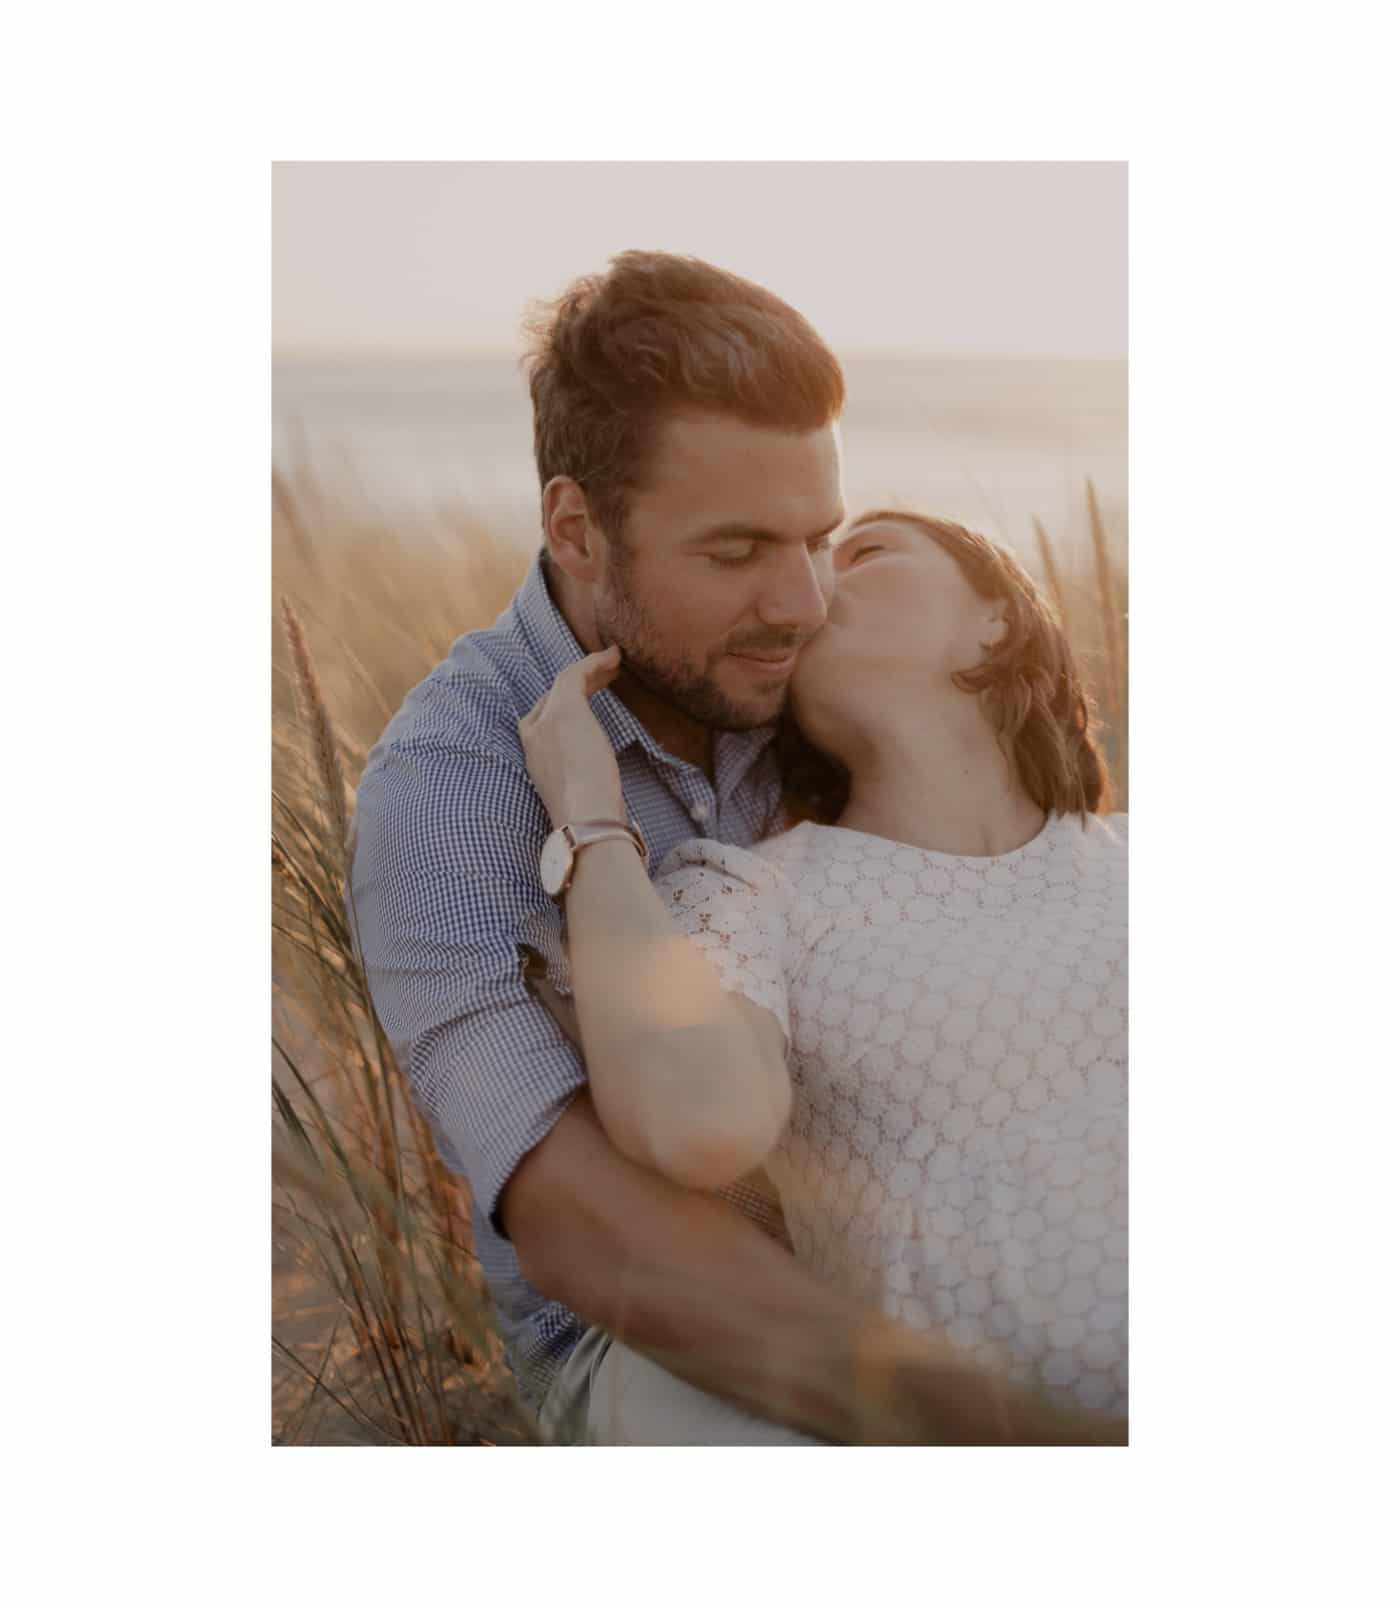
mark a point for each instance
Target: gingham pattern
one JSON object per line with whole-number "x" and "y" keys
{"x": 445, "y": 891}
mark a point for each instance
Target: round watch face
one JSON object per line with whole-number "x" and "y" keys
{"x": 556, "y": 857}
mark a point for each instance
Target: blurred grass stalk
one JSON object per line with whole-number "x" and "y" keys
{"x": 1087, "y": 584}
{"x": 361, "y": 1200}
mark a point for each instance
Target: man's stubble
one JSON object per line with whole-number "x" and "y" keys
{"x": 686, "y": 687}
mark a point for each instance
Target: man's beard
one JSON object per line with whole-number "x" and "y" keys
{"x": 690, "y": 690}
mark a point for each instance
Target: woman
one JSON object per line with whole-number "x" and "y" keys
{"x": 913, "y": 1013}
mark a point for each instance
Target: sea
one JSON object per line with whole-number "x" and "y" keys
{"x": 994, "y": 443}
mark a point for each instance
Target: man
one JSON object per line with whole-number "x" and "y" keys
{"x": 685, "y": 437}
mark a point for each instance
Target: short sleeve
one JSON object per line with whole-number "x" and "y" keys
{"x": 737, "y": 908}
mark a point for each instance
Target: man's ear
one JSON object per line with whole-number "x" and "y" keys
{"x": 575, "y": 543}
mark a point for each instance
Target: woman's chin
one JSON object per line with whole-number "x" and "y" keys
{"x": 816, "y": 674}
{"x": 809, "y": 695}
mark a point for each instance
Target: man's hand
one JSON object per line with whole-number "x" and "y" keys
{"x": 917, "y": 1389}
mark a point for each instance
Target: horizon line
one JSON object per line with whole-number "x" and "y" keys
{"x": 293, "y": 356}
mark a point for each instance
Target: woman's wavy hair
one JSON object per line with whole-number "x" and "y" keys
{"x": 1028, "y": 685}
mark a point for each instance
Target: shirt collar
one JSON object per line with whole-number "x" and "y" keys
{"x": 735, "y": 754}
{"x": 555, "y": 647}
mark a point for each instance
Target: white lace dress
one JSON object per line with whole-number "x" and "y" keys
{"x": 957, "y": 1037}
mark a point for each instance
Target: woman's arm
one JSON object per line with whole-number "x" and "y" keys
{"x": 687, "y": 1078}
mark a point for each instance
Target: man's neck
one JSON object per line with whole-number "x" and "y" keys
{"x": 941, "y": 784}
{"x": 677, "y": 733}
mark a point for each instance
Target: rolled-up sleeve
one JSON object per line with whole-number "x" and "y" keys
{"x": 445, "y": 891}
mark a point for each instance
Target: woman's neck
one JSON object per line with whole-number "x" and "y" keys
{"x": 945, "y": 784}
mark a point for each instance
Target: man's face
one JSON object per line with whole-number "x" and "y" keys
{"x": 725, "y": 569}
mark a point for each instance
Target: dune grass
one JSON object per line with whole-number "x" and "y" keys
{"x": 381, "y": 1328}
{"x": 382, "y": 1333}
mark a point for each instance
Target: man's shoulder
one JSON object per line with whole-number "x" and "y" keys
{"x": 453, "y": 752}
{"x": 472, "y": 702}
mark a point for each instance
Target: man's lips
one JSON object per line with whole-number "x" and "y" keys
{"x": 775, "y": 659}
{"x": 771, "y": 652}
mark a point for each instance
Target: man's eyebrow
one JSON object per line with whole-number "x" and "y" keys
{"x": 737, "y": 530}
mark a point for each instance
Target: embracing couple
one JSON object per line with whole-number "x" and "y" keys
{"x": 744, "y": 912}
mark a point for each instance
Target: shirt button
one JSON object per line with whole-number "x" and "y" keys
{"x": 700, "y": 814}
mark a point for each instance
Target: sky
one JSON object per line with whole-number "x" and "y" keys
{"x": 419, "y": 259}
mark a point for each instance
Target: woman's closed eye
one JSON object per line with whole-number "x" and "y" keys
{"x": 861, "y": 552}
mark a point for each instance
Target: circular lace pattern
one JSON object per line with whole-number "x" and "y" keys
{"x": 957, "y": 1033}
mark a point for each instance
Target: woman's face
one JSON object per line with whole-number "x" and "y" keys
{"x": 902, "y": 616}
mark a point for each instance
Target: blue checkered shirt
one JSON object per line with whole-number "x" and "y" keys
{"x": 446, "y": 891}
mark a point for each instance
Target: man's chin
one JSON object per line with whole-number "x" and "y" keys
{"x": 714, "y": 702}
{"x": 749, "y": 710}
{"x": 736, "y": 717}
{"x": 753, "y": 721}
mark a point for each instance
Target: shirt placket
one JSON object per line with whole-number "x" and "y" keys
{"x": 732, "y": 764}
{"x": 700, "y": 800}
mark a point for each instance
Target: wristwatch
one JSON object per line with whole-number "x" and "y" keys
{"x": 562, "y": 845}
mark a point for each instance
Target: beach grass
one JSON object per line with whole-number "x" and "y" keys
{"x": 381, "y": 1329}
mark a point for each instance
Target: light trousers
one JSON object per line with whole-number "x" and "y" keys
{"x": 606, "y": 1394}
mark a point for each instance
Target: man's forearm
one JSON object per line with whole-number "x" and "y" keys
{"x": 683, "y": 1278}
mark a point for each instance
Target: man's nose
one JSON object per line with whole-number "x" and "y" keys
{"x": 797, "y": 596}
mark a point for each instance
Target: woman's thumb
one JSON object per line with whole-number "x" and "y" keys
{"x": 600, "y": 668}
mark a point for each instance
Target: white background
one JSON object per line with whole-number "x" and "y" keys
{"x": 1263, "y": 350}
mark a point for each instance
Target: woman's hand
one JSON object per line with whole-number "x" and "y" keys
{"x": 570, "y": 759}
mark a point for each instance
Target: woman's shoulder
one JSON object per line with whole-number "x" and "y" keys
{"x": 1105, "y": 832}
{"x": 772, "y": 865}
{"x": 710, "y": 857}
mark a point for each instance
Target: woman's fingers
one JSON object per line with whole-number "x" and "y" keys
{"x": 599, "y": 669}
{"x": 586, "y": 676}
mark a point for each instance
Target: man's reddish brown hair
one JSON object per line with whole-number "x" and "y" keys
{"x": 619, "y": 351}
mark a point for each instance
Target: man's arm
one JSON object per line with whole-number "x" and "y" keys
{"x": 683, "y": 1278}
{"x": 445, "y": 896}
{"x": 445, "y": 892}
